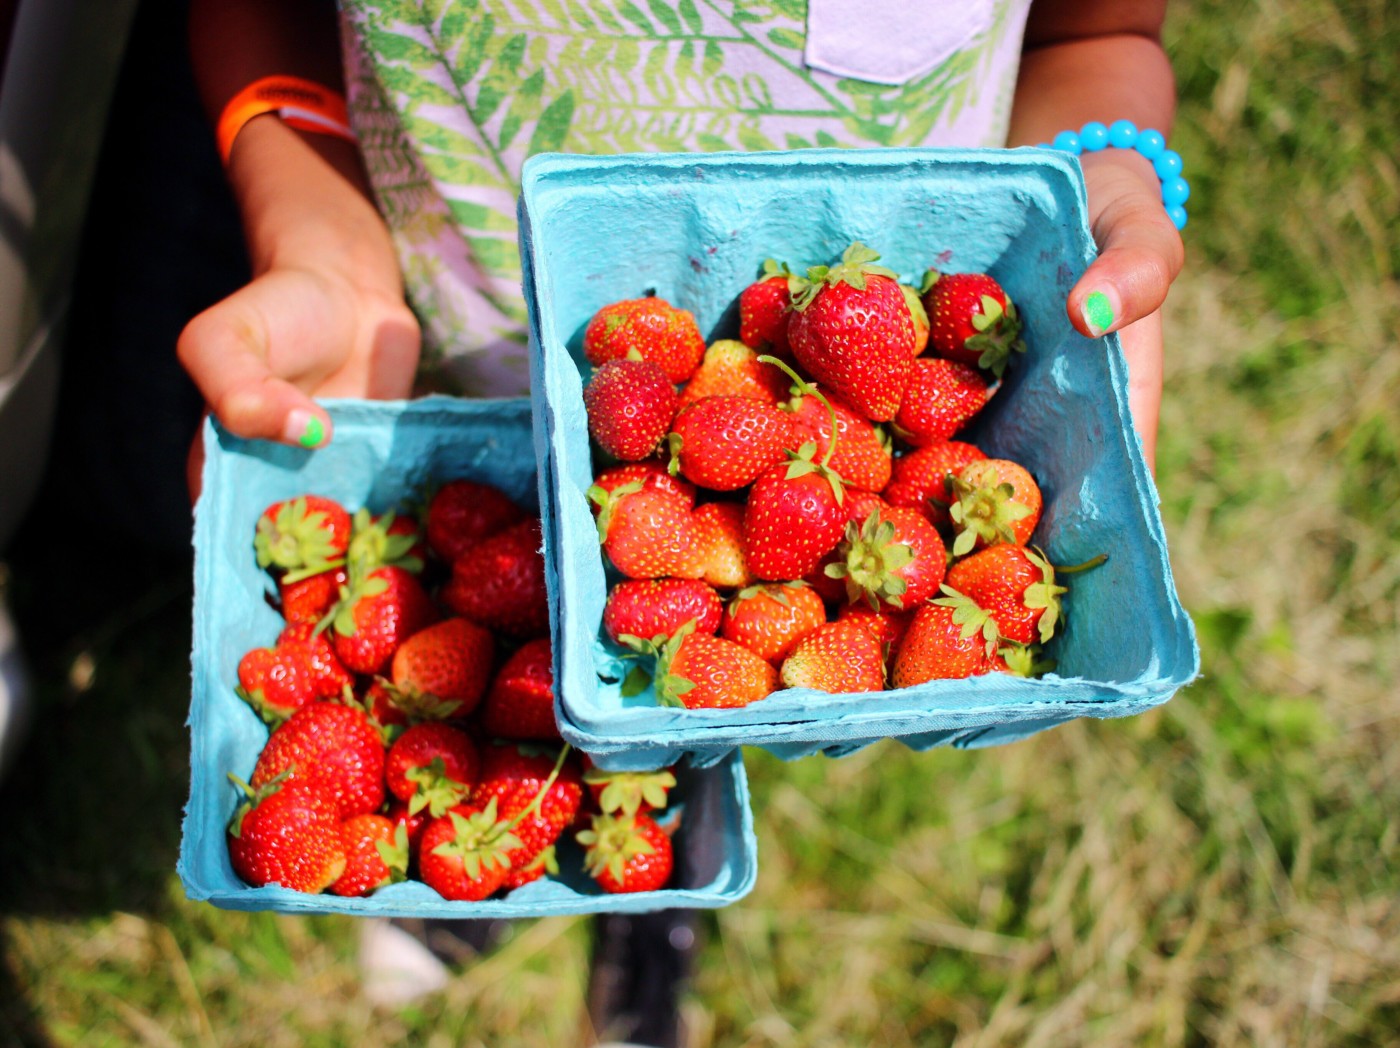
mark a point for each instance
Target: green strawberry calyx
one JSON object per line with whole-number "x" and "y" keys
{"x": 973, "y": 618}
{"x": 297, "y": 538}
{"x": 873, "y": 563}
{"x": 373, "y": 546}
{"x": 998, "y": 334}
{"x": 607, "y": 501}
{"x": 804, "y": 459}
{"x": 670, "y": 686}
{"x": 1046, "y": 593}
{"x": 627, "y": 791}
{"x": 854, "y": 267}
{"x": 435, "y": 789}
{"x": 394, "y": 854}
{"x": 612, "y": 843}
{"x": 479, "y": 839}
{"x": 983, "y": 511}
{"x": 1023, "y": 660}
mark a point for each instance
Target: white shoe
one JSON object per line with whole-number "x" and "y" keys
{"x": 395, "y": 967}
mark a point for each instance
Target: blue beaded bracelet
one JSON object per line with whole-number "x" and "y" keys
{"x": 1123, "y": 134}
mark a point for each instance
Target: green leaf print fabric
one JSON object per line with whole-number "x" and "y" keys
{"x": 449, "y": 97}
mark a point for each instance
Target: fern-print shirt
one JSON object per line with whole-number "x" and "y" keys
{"x": 449, "y": 97}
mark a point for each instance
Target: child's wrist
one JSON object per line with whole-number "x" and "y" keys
{"x": 1149, "y": 149}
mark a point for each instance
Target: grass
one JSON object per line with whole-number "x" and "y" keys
{"x": 1221, "y": 871}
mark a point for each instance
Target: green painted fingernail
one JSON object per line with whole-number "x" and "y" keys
{"x": 314, "y": 433}
{"x": 1098, "y": 312}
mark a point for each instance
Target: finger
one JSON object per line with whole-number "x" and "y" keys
{"x": 1142, "y": 347}
{"x": 224, "y": 351}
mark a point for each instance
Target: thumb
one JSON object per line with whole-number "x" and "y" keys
{"x": 1140, "y": 250}
{"x": 224, "y": 349}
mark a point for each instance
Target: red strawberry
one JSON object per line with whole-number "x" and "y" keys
{"x": 765, "y": 307}
{"x": 887, "y": 624}
{"x": 500, "y": 583}
{"x": 919, "y": 315}
{"x": 994, "y": 500}
{"x": 627, "y": 853}
{"x": 862, "y": 455}
{"x": 936, "y": 647}
{"x": 919, "y": 479}
{"x": 377, "y": 613}
{"x": 465, "y": 855}
{"x": 724, "y": 443}
{"x": 286, "y": 833}
{"x": 301, "y": 668}
{"x": 630, "y": 404}
{"x": 330, "y": 745}
{"x": 309, "y": 598}
{"x": 648, "y": 476}
{"x": 852, "y": 331}
{"x": 376, "y": 852}
{"x": 857, "y": 506}
{"x": 698, "y": 671}
{"x": 447, "y": 664}
{"x": 629, "y": 792}
{"x": 413, "y": 824}
{"x": 306, "y": 534}
{"x": 432, "y": 765}
{"x": 463, "y": 512}
{"x": 652, "y": 328}
{"x": 1007, "y": 591}
{"x": 651, "y": 608}
{"x": 520, "y": 704}
{"x": 649, "y": 534}
{"x": 722, "y": 529}
{"x": 793, "y": 517}
{"x": 517, "y": 779}
{"x": 896, "y": 557}
{"x": 545, "y": 862}
{"x": 733, "y": 369}
{"x": 941, "y": 397}
{"x": 769, "y": 619}
{"x": 838, "y": 657}
{"x": 972, "y": 320}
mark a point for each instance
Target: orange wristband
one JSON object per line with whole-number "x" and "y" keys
{"x": 302, "y": 104}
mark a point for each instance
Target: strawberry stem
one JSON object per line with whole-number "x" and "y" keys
{"x": 806, "y": 388}
{"x": 534, "y": 804}
{"x": 1092, "y": 562}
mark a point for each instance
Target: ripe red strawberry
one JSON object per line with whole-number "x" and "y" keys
{"x": 376, "y": 853}
{"x": 651, "y": 608}
{"x": 895, "y": 557}
{"x": 306, "y": 534}
{"x": 413, "y": 824}
{"x": 919, "y": 479}
{"x": 722, "y": 529}
{"x": 887, "y": 624}
{"x": 334, "y": 746}
{"x": 936, "y": 647}
{"x": 520, "y": 704}
{"x": 649, "y": 534}
{"x": 300, "y": 668}
{"x": 853, "y": 332}
{"x": 288, "y": 833}
{"x": 734, "y": 369}
{"x": 447, "y": 664}
{"x": 769, "y": 619}
{"x": 627, "y": 853}
{"x": 545, "y": 862}
{"x": 500, "y": 583}
{"x": 648, "y": 476}
{"x": 465, "y": 855}
{"x": 863, "y": 454}
{"x": 839, "y": 657}
{"x": 517, "y": 779}
{"x": 462, "y": 513}
{"x": 724, "y": 443}
{"x": 630, "y": 404}
{"x": 941, "y": 397}
{"x": 919, "y": 315}
{"x": 793, "y": 517}
{"x": 1011, "y": 591}
{"x": 698, "y": 671}
{"x": 994, "y": 500}
{"x": 972, "y": 320}
{"x": 629, "y": 792}
{"x": 432, "y": 765}
{"x": 377, "y": 613}
{"x": 308, "y": 599}
{"x": 765, "y": 307}
{"x": 652, "y": 328}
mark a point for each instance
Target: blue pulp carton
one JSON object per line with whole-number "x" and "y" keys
{"x": 695, "y": 229}
{"x": 385, "y": 452}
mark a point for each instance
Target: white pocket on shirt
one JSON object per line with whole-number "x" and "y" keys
{"x": 890, "y": 41}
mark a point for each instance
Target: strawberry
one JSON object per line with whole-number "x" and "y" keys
{"x": 918, "y": 315}
{"x": 546, "y": 861}
{"x": 384, "y": 706}
{"x": 520, "y": 704}
{"x": 376, "y": 853}
{"x": 994, "y": 500}
{"x": 627, "y": 853}
{"x": 725, "y": 442}
{"x": 431, "y": 765}
{"x": 304, "y": 535}
{"x": 733, "y": 369}
{"x": 972, "y": 320}
{"x": 446, "y": 666}
{"x": 301, "y": 668}
{"x": 722, "y": 538}
{"x": 793, "y": 517}
{"x": 919, "y": 479}
{"x": 936, "y": 647}
{"x": 537, "y": 787}
{"x": 308, "y": 599}
{"x": 648, "y": 476}
{"x": 857, "y": 506}
{"x": 839, "y": 657}
{"x": 648, "y": 534}
{"x": 1006, "y": 591}
{"x": 652, "y": 328}
{"x": 378, "y": 611}
{"x": 333, "y": 746}
{"x": 651, "y": 608}
{"x": 500, "y": 583}
{"x": 765, "y": 308}
{"x": 941, "y": 397}
{"x": 853, "y": 332}
{"x": 288, "y": 833}
{"x": 629, "y": 792}
{"x": 698, "y": 671}
{"x": 895, "y": 557}
{"x": 462, "y": 513}
{"x": 465, "y": 855}
{"x": 887, "y": 624}
{"x": 630, "y": 404}
{"x": 413, "y": 824}
{"x": 390, "y": 539}
{"x": 863, "y": 453}
{"x": 769, "y": 619}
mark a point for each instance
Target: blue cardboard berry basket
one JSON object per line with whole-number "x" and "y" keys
{"x": 695, "y": 229}
{"x": 382, "y": 453}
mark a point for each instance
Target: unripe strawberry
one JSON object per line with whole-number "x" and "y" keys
{"x": 838, "y": 657}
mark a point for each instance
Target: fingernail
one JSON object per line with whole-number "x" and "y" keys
{"x": 1098, "y": 312}
{"x": 305, "y": 429}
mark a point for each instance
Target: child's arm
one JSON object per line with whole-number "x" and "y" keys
{"x": 324, "y": 314}
{"x": 1103, "y": 60}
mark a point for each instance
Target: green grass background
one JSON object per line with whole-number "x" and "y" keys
{"x": 1221, "y": 871}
